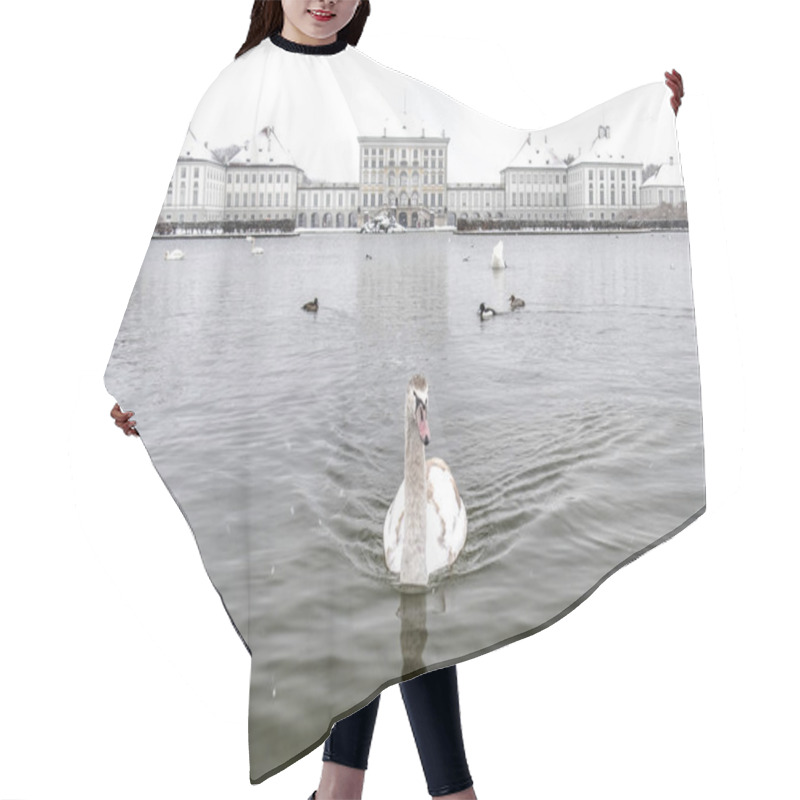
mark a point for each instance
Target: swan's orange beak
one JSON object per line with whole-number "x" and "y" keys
{"x": 422, "y": 424}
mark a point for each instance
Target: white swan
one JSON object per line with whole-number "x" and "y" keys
{"x": 173, "y": 255}
{"x": 426, "y": 525}
{"x": 498, "y": 262}
{"x": 256, "y": 251}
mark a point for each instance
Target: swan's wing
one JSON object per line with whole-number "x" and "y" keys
{"x": 446, "y": 516}
{"x": 394, "y": 530}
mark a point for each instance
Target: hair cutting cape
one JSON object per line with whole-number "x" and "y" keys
{"x": 305, "y": 332}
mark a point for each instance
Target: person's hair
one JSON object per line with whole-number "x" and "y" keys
{"x": 266, "y": 19}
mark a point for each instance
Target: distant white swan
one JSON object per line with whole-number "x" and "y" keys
{"x": 426, "y": 525}
{"x": 173, "y": 255}
{"x": 256, "y": 250}
{"x": 498, "y": 262}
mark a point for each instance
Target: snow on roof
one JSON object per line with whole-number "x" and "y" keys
{"x": 268, "y": 151}
{"x": 667, "y": 175}
{"x": 603, "y": 150}
{"x": 535, "y": 154}
{"x": 193, "y": 150}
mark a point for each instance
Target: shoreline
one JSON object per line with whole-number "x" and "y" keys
{"x": 443, "y": 229}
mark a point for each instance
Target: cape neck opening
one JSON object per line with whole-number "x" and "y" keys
{"x": 308, "y": 49}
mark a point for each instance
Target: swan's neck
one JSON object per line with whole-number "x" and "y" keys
{"x": 413, "y": 566}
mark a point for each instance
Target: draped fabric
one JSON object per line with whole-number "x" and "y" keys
{"x": 306, "y": 330}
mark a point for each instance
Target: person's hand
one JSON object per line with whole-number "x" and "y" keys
{"x": 675, "y": 82}
{"x": 124, "y": 420}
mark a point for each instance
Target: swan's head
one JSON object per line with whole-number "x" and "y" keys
{"x": 417, "y": 406}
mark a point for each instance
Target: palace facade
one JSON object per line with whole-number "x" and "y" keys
{"x": 406, "y": 177}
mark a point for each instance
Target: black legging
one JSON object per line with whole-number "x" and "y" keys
{"x": 433, "y": 711}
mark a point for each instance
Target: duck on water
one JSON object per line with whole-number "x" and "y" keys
{"x": 485, "y": 312}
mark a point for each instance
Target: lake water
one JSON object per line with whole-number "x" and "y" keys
{"x": 572, "y": 427}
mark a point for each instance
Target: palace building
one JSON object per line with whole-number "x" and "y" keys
{"x": 601, "y": 183}
{"x": 665, "y": 187}
{"x": 403, "y": 173}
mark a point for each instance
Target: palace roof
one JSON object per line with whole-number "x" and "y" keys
{"x": 603, "y": 150}
{"x": 268, "y": 151}
{"x": 193, "y": 150}
{"x": 535, "y": 154}
{"x": 667, "y": 175}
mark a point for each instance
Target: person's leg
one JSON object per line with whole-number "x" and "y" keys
{"x": 434, "y": 713}
{"x": 346, "y": 754}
